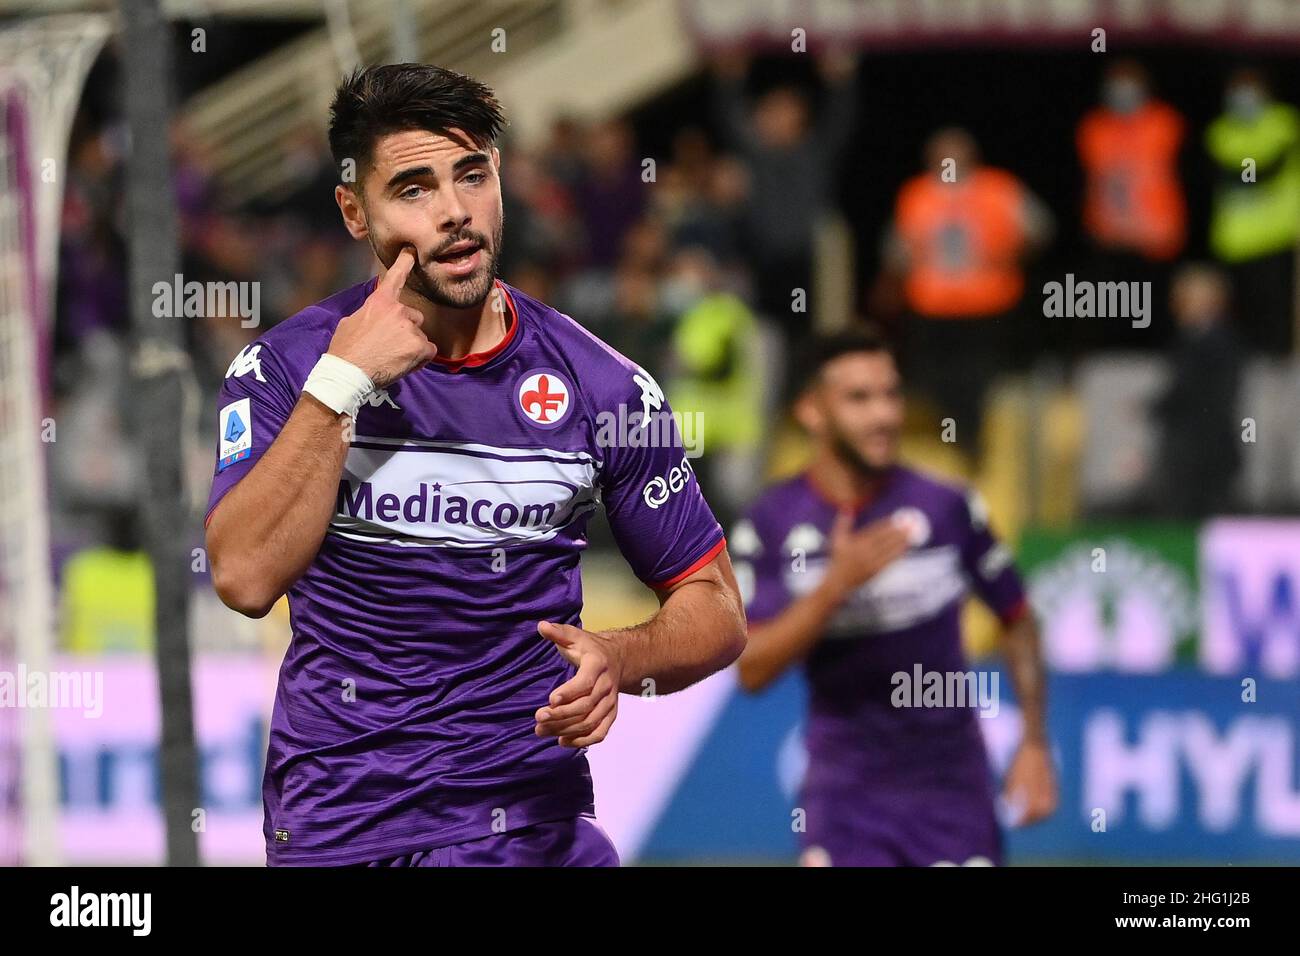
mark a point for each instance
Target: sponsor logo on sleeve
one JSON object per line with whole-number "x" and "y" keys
{"x": 659, "y": 489}
{"x": 235, "y": 426}
{"x": 995, "y": 561}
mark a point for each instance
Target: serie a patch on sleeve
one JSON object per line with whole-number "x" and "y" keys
{"x": 235, "y": 424}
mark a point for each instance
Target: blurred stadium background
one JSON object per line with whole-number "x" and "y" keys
{"x": 672, "y": 171}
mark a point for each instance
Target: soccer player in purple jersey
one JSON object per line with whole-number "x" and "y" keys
{"x": 413, "y": 462}
{"x": 857, "y": 569}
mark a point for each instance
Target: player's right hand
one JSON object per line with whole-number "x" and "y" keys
{"x": 858, "y": 556}
{"x": 384, "y": 338}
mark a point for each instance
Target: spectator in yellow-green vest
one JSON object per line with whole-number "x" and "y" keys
{"x": 1255, "y": 223}
{"x": 716, "y": 381}
{"x": 108, "y": 593}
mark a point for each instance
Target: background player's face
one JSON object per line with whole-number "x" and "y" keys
{"x": 856, "y": 408}
{"x": 432, "y": 192}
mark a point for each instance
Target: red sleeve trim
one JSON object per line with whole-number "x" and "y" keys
{"x": 212, "y": 509}
{"x": 704, "y": 559}
{"x": 1017, "y": 611}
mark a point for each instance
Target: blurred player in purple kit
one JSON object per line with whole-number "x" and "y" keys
{"x": 857, "y": 569}
{"x": 413, "y": 462}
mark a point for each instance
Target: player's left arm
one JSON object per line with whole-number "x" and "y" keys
{"x": 674, "y": 544}
{"x": 1030, "y": 785}
{"x": 698, "y": 630}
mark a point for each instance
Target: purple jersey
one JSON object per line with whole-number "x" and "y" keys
{"x": 403, "y": 718}
{"x": 868, "y": 759}
{"x": 575, "y": 841}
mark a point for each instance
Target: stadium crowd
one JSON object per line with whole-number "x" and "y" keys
{"x": 693, "y": 272}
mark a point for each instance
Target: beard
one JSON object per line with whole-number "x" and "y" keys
{"x": 846, "y": 452}
{"x": 465, "y": 292}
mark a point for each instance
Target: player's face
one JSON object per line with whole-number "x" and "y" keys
{"x": 857, "y": 408}
{"x": 438, "y": 195}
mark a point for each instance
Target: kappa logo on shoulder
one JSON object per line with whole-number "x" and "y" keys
{"x": 544, "y": 397}
{"x": 652, "y": 396}
{"x": 246, "y": 361}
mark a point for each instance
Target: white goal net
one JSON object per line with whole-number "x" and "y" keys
{"x": 43, "y": 64}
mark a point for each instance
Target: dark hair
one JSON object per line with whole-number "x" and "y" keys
{"x": 377, "y": 100}
{"x": 859, "y": 338}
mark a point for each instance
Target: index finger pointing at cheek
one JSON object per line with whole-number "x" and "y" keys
{"x": 395, "y": 278}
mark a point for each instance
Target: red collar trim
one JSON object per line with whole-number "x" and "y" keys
{"x": 475, "y": 359}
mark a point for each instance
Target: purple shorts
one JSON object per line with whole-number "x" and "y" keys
{"x": 578, "y": 841}
{"x": 900, "y": 829}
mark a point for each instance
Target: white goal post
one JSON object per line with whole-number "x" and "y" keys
{"x": 43, "y": 65}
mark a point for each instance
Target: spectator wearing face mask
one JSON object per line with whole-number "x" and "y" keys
{"x": 717, "y": 382}
{"x": 1128, "y": 147}
{"x": 1134, "y": 208}
{"x": 1255, "y": 222}
{"x": 958, "y": 245}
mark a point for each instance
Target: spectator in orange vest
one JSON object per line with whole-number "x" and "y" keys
{"x": 960, "y": 235}
{"x": 1129, "y": 145}
{"x": 1134, "y": 207}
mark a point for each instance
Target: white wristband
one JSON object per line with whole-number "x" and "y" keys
{"x": 338, "y": 384}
